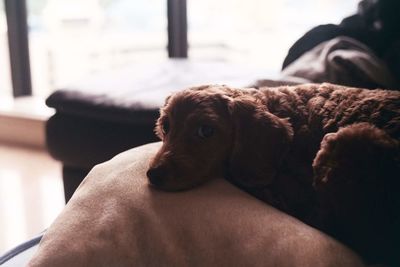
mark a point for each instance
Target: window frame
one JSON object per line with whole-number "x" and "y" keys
{"x": 177, "y": 29}
{"x": 17, "y": 31}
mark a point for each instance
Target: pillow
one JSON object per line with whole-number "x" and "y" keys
{"x": 116, "y": 219}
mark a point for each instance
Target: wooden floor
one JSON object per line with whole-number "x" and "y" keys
{"x": 31, "y": 193}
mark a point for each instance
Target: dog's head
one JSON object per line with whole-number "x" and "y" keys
{"x": 214, "y": 131}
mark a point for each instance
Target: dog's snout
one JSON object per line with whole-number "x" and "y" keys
{"x": 156, "y": 175}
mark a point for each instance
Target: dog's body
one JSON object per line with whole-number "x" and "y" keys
{"x": 323, "y": 153}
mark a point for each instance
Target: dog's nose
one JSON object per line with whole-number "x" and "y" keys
{"x": 156, "y": 175}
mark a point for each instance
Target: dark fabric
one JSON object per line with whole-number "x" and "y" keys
{"x": 376, "y": 24}
{"x": 392, "y": 58}
{"x": 343, "y": 61}
{"x": 124, "y": 107}
{"x": 84, "y": 142}
{"x": 19, "y": 249}
{"x": 72, "y": 177}
{"x": 327, "y": 32}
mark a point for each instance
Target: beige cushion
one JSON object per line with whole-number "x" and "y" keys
{"x": 116, "y": 219}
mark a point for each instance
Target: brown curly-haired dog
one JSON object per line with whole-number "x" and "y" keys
{"x": 326, "y": 154}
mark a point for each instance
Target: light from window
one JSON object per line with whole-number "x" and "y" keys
{"x": 256, "y": 32}
{"x": 71, "y": 39}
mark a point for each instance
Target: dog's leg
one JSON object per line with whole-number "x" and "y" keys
{"x": 357, "y": 180}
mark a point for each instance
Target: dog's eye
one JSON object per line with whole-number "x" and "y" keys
{"x": 205, "y": 131}
{"x": 165, "y": 127}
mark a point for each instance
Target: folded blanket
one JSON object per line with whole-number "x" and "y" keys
{"x": 116, "y": 219}
{"x": 344, "y": 61}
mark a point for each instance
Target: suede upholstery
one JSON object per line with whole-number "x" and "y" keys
{"x": 116, "y": 219}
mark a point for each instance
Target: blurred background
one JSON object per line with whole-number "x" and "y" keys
{"x": 72, "y": 39}
{"x": 107, "y": 34}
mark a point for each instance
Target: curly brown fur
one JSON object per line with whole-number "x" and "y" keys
{"x": 356, "y": 178}
{"x": 265, "y": 141}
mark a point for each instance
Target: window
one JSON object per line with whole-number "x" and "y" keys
{"x": 256, "y": 32}
{"x": 71, "y": 39}
{"x": 5, "y": 75}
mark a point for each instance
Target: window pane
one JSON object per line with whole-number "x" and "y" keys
{"x": 257, "y": 32}
{"x": 5, "y": 74}
{"x": 71, "y": 39}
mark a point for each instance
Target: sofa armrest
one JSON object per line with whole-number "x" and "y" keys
{"x": 116, "y": 219}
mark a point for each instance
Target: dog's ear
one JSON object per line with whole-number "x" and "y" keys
{"x": 261, "y": 140}
{"x": 162, "y": 120}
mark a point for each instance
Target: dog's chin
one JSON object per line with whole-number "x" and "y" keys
{"x": 170, "y": 188}
{"x": 248, "y": 184}
{"x": 175, "y": 187}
